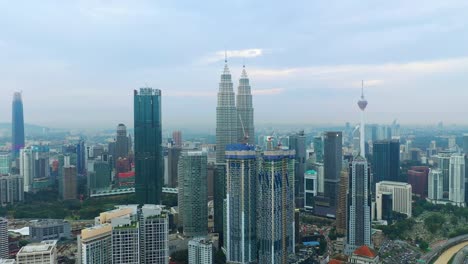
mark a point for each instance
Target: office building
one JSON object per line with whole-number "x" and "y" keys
{"x": 4, "y": 238}
{"x": 435, "y": 185}
{"x": 44, "y": 252}
{"x": 17, "y": 126}
{"x": 386, "y": 161}
{"x": 333, "y": 159}
{"x": 200, "y": 251}
{"x": 226, "y": 133}
{"x": 275, "y": 206}
{"x": 49, "y": 229}
{"x": 444, "y": 166}
{"x": 148, "y": 151}
{"x": 5, "y": 162}
{"x": 457, "y": 180}
{"x": 177, "y": 138}
{"x": 342, "y": 204}
{"x": 94, "y": 245}
{"x": 392, "y": 196}
{"x": 297, "y": 142}
{"x": 81, "y": 157}
{"x": 245, "y": 111}
{"x": 100, "y": 177}
{"x": 417, "y": 177}
{"x": 121, "y": 144}
{"x": 34, "y": 165}
{"x": 318, "y": 149}
{"x": 241, "y": 194}
{"x": 310, "y": 189}
{"x": 359, "y": 196}
{"x": 193, "y": 193}
{"x": 173, "y": 154}
{"x": 69, "y": 185}
{"x": 11, "y": 189}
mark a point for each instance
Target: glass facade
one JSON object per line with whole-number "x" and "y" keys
{"x": 148, "y": 151}
{"x": 17, "y": 127}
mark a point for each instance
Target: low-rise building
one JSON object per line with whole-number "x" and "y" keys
{"x": 364, "y": 255}
{"x": 48, "y": 229}
{"x": 392, "y": 196}
{"x": 44, "y": 252}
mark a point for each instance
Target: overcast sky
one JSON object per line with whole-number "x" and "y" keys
{"x": 77, "y": 62}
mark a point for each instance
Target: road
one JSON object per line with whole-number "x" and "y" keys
{"x": 449, "y": 253}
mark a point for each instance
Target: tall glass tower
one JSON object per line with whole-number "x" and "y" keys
{"x": 245, "y": 126}
{"x": 149, "y": 174}
{"x": 226, "y": 133}
{"x": 17, "y": 125}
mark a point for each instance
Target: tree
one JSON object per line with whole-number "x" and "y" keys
{"x": 219, "y": 258}
{"x": 434, "y": 222}
{"x": 423, "y": 245}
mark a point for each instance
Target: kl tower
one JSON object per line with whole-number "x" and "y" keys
{"x": 362, "y": 103}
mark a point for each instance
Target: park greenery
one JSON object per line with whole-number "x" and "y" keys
{"x": 46, "y": 204}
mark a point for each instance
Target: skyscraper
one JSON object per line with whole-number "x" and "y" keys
{"x": 17, "y": 126}
{"x": 435, "y": 185}
{"x": 70, "y": 179}
{"x": 177, "y": 138}
{"x": 275, "y": 207}
{"x": 359, "y": 195}
{"x": 5, "y": 162}
{"x": 245, "y": 124}
{"x": 297, "y": 142}
{"x": 3, "y": 238}
{"x": 318, "y": 149}
{"x": 121, "y": 143}
{"x": 457, "y": 180}
{"x": 173, "y": 154}
{"x": 386, "y": 165}
{"x": 193, "y": 196}
{"x": 226, "y": 133}
{"x": 241, "y": 194}
{"x": 333, "y": 158}
{"x": 94, "y": 245}
{"x": 148, "y": 151}
{"x": 81, "y": 157}
{"x": 341, "y": 208}
{"x": 34, "y": 164}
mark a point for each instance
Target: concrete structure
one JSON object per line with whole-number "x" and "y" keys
{"x": 11, "y": 189}
{"x": 177, "y": 138}
{"x": 200, "y": 251}
{"x": 17, "y": 125}
{"x": 193, "y": 193}
{"x": 3, "y": 238}
{"x": 241, "y": 210}
{"x": 49, "y": 229}
{"x": 310, "y": 189}
{"x": 275, "y": 206}
{"x": 226, "y": 133}
{"x": 457, "y": 180}
{"x": 297, "y": 142}
{"x": 44, "y": 252}
{"x": 148, "y": 151}
{"x": 94, "y": 245}
{"x": 399, "y": 195}
{"x": 435, "y": 185}
{"x": 70, "y": 188}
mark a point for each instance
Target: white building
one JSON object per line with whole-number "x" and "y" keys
{"x": 310, "y": 188}
{"x": 457, "y": 180}
{"x": 11, "y": 189}
{"x": 3, "y": 238}
{"x": 7, "y": 261}
{"x": 399, "y": 193}
{"x": 44, "y": 252}
{"x": 94, "y": 245}
{"x": 200, "y": 251}
{"x": 435, "y": 185}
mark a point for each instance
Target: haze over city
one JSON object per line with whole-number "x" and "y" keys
{"x": 79, "y": 59}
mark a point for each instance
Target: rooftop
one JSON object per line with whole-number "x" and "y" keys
{"x": 44, "y": 246}
{"x": 365, "y": 251}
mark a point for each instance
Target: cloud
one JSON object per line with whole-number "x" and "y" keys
{"x": 220, "y": 55}
{"x": 272, "y": 91}
{"x": 189, "y": 94}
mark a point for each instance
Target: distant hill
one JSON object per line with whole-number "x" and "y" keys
{"x": 29, "y": 129}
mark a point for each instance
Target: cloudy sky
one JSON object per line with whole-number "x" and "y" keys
{"x": 77, "y": 62}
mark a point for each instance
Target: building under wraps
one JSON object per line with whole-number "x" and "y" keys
{"x": 275, "y": 206}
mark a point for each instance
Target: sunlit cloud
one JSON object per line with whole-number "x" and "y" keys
{"x": 272, "y": 91}
{"x": 220, "y": 55}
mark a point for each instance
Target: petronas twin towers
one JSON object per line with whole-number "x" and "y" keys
{"x": 234, "y": 123}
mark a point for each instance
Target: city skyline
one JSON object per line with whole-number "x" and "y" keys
{"x": 394, "y": 46}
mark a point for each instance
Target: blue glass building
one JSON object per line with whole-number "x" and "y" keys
{"x": 17, "y": 125}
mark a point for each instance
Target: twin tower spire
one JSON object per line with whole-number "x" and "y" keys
{"x": 234, "y": 114}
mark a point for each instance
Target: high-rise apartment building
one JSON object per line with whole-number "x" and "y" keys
{"x": 297, "y": 142}
{"x": 193, "y": 193}
{"x": 200, "y": 251}
{"x": 275, "y": 206}
{"x": 392, "y": 197}
{"x": 435, "y": 185}
{"x": 3, "y": 238}
{"x": 125, "y": 241}
{"x": 5, "y": 162}
{"x": 444, "y": 166}
{"x": 241, "y": 194}
{"x": 17, "y": 125}
{"x": 245, "y": 111}
{"x": 70, "y": 187}
{"x": 333, "y": 159}
{"x": 386, "y": 161}
{"x": 457, "y": 180}
{"x": 44, "y": 252}
{"x": 177, "y": 138}
{"x": 149, "y": 172}
{"x": 11, "y": 189}
{"x": 94, "y": 245}
{"x": 226, "y": 133}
